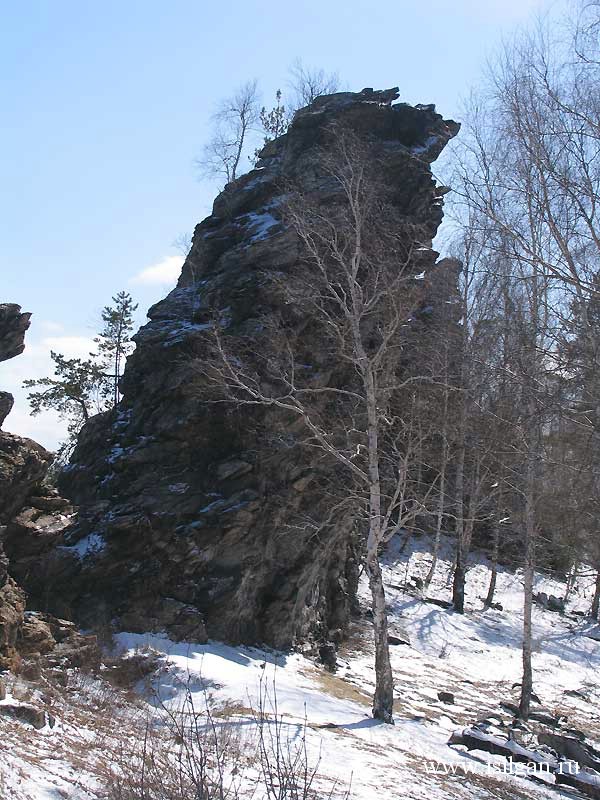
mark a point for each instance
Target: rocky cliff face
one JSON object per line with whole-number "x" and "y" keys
{"x": 23, "y": 464}
{"x": 188, "y": 509}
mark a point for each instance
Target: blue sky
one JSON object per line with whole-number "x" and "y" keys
{"x": 106, "y": 104}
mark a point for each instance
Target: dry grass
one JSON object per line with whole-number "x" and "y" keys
{"x": 335, "y": 686}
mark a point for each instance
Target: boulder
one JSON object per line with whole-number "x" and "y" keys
{"x": 397, "y": 635}
{"x": 556, "y": 604}
{"x": 550, "y": 602}
{"x": 23, "y": 465}
{"x": 328, "y": 655}
{"x": 36, "y": 717}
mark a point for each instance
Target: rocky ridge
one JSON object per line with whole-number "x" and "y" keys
{"x": 189, "y": 509}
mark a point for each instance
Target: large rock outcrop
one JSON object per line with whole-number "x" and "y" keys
{"x": 189, "y": 509}
{"x": 23, "y": 464}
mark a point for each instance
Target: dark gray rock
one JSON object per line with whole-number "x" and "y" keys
{"x": 22, "y": 465}
{"x": 556, "y": 604}
{"x": 12, "y": 607}
{"x": 6, "y": 404}
{"x": 328, "y": 655}
{"x": 398, "y": 636}
{"x": 417, "y": 581}
{"x": 550, "y": 602}
{"x": 25, "y": 532}
{"x": 571, "y": 748}
{"x": 13, "y": 325}
{"x": 202, "y": 505}
{"x": 36, "y": 717}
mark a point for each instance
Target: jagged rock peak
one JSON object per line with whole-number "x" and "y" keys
{"x": 340, "y": 100}
{"x": 13, "y": 325}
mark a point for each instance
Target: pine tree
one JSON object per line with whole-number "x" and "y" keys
{"x": 274, "y": 123}
{"x": 76, "y": 392}
{"x": 80, "y": 387}
{"x": 114, "y": 341}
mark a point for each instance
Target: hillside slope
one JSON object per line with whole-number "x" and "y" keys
{"x": 476, "y": 658}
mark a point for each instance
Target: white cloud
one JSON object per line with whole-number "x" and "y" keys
{"x": 70, "y": 346}
{"x": 51, "y": 327}
{"x": 164, "y": 272}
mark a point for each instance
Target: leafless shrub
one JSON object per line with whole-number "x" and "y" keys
{"x": 235, "y": 119}
{"x": 191, "y": 753}
{"x": 183, "y": 755}
{"x": 308, "y": 83}
{"x": 287, "y": 772}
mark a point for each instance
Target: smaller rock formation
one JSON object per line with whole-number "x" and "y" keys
{"x": 33, "y": 518}
{"x": 22, "y": 465}
{"x": 6, "y": 404}
{"x": 13, "y": 325}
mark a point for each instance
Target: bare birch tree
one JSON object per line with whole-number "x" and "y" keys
{"x": 309, "y": 83}
{"x": 233, "y": 123}
{"x": 513, "y": 178}
{"x": 357, "y": 292}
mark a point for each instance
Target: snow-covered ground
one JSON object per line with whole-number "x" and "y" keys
{"x": 476, "y": 657}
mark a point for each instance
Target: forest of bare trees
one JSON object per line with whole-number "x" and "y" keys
{"x": 527, "y": 186}
{"x": 496, "y": 439}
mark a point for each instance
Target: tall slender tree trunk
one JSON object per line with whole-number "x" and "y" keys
{"x": 494, "y": 571}
{"x": 596, "y": 601}
{"x": 438, "y": 529}
{"x": 442, "y": 497}
{"x": 458, "y": 581}
{"x": 527, "y": 680}
{"x": 463, "y": 546}
{"x": 383, "y": 699}
{"x": 572, "y": 579}
{"x": 528, "y": 580}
